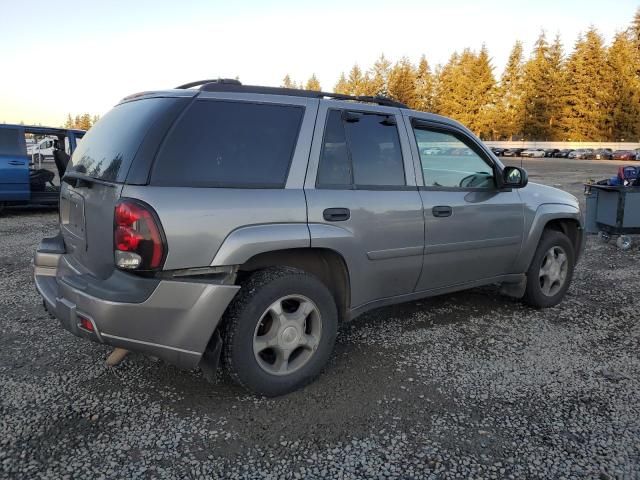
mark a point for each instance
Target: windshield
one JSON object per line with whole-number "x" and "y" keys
{"x": 108, "y": 148}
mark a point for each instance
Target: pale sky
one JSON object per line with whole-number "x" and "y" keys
{"x": 83, "y": 56}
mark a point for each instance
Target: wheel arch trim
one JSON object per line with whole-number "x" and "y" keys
{"x": 545, "y": 214}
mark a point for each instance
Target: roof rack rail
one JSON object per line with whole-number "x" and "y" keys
{"x": 232, "y": 85}
{"x": 228, "y": 81}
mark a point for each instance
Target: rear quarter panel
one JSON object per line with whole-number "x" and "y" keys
{"x": 196, "y": 221}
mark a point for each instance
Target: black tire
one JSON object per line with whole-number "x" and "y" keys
{"x": 258, "y": 292}
{"x": 534, "y": 294}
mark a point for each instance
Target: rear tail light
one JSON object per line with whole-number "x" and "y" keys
{"x": 138, "y": 238}
{"x": 86, "y": 323}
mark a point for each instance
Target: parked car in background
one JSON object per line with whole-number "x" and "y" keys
{"x": 533, "y": 152}
{"x": 250, "y": 221}
{"x": 600, "y": 154}
{"x": 513, "y": 152}
{"x": 431, "y": 151}
{"x": 497, "y": 151}
{"x": 564, "y": 153}
{"x": 25, "y": 182}
{"x": 581, "y": 153}
{"x": 624, "y": 155}
{"x": 550, "y": 152}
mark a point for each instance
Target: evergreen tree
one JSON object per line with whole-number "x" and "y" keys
{"x": 464, "y": 90}
{"x": 589, "y": 96}
{"x": 424, "y": 86}
{"x": 509, "y": 119}
{"x": 341, "y": 86}
{"x": 634, "y": 32}
{"x": 446, "y": 80}
{"x": 69, "y": 123}
{"x": 356, "y": 82}
{"x": 84, "y": 122}
{"x": 378, "y": 77}
{"x": 625, "y": 89}
{"x": 544, "y": 91}
{"x": 558, "y": 88}
{"x": 402, "y": 82}
{"x": 313, "y": 83}
{"x": 287, "y": 82}
{"x": 482, "y": 95}
{"x": 536, "y": 90}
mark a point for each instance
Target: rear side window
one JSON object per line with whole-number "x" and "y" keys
{"x": 108, "y": 148}
{"x": 361, "y": 150}
{"x": 10, "y": 142}
{"x": 229, "y": 145}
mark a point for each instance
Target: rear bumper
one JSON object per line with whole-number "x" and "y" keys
{"x": 174, "y": 322}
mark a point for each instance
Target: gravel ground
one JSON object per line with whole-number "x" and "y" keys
{"x": 470, "y": 385}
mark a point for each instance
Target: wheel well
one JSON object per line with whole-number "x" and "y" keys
{"x": 326, "y": 264}
{"x": 570, "y": 227}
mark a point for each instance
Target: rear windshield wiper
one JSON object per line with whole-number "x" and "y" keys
{"x": 78, "y": 180}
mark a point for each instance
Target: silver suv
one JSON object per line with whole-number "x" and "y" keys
{"x": 242, "y": 224}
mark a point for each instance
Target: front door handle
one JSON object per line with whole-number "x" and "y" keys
{"x": 15, "y": 163}
{"x": 441, "y": 211}
{"x": 336, "y": 214}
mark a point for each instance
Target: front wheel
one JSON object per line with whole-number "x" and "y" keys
{"x": 279, "y": 331}
{"x": 551, "y": 270}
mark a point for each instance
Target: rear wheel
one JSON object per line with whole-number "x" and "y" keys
{"x": 279, "y": 331}
{"x": 551, "y": 270}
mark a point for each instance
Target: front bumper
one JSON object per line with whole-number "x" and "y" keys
{"x": 174, "y": 322}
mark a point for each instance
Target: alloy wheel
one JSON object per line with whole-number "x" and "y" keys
{"x": 287, "y": 335}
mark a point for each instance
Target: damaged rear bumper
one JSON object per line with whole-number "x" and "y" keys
{"x": 174, "y": 320}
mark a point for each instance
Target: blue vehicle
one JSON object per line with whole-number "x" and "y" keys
{"x": 23, "y": 180}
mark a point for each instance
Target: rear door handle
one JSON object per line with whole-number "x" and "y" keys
{"x": 15, "y": 163}
{"x": 441, "y": 211}
{"x": 336, "y": 214}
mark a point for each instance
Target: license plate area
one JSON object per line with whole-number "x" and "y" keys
{"x": 72, "y": 220}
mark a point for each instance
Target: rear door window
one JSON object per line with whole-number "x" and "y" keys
{"x": 361, "y": 149}
{"x": 108, "y": 148}
{"x": 10, "y": 143}
{"x": 227, "y": 144}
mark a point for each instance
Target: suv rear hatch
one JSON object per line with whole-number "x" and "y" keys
{"x": 119, "y": 147}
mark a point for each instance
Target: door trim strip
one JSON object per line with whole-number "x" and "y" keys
{"x": 395, "y": 253}
{"x": 472, "y": 244}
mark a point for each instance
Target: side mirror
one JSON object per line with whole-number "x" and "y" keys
{"x": 514, "y": 177}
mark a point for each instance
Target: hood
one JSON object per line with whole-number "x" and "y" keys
{"x": 537, "y": 194}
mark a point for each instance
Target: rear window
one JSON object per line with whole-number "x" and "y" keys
{"x": 229, "y": 144}
{"x": 108, "y": 148}
{"x": 10, "y": 142}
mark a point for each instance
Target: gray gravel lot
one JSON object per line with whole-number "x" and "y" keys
{"x": 465, "y": 385}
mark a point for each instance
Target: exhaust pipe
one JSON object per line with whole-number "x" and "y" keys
{"x": 116, "y": 357}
